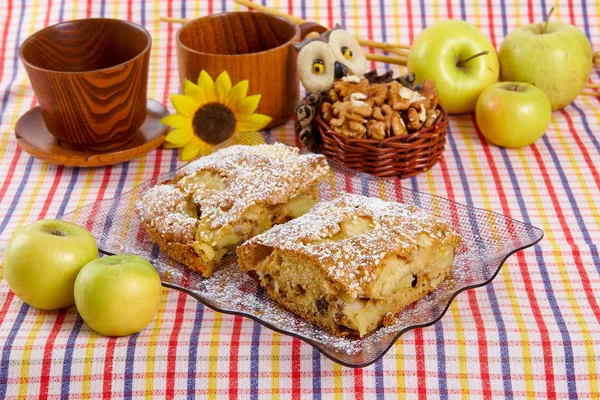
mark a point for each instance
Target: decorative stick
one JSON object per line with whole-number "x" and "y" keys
{"x": 401, "y": 60}
{"x": 592, "y": 85}
{"x": 593, "y": 94}
{"x": 386, "y": 59}
{"x": 268, "y": 10}
{"x": 175, "y": 20}
{"x": 395, "y": 50}
{"x": 371, "y": 43}
{"x": 378, "y": 45}
{"x": 300, "y": 21}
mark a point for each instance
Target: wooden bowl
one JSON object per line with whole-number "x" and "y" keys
{"x": 90, "y": 79}
{"x": 248, "y": 45}
{"x": 396, "y": 156}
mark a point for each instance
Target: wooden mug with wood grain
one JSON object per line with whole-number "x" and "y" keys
{"x": 248, "y": 45}
{"x": 90, "y": 78}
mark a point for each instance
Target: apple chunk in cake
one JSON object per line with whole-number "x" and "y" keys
{"x": 351, "y": 263}
{"x": 215, "y": 203}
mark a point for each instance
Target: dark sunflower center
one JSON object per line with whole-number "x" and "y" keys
{"x": 214, "y": 123}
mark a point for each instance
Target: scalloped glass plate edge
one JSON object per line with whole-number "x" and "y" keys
{"x": 316, "y": 344}
{"x": 482, "y": 240}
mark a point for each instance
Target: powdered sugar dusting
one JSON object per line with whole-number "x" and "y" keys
{"x": 169, "y": 211}
{"x": 353, "y": 262}
{"x": 488, "y": 238}
{"x": 218, "y": 189}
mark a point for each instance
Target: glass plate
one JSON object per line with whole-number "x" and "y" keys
{"x": 488, "y": 240}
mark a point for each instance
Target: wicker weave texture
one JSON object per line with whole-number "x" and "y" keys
{"x": 396, "y": 156}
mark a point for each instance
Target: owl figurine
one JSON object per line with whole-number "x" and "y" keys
{"x": 330, "y": 56}
{"x": 322, "y": 60}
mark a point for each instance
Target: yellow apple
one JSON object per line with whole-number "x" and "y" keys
{"x": 43, "y": 259}
{"x": 513, "y": 114}
{"x": 459, "y": 59}
{"x": 118, "y": 295}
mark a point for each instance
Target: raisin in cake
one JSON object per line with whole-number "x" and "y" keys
{"x": 217, "y": 202}
{"x": 353, "y": 262}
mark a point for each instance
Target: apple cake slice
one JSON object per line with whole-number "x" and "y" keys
{"x": 352, "y": 263}
{"x": 217, "y": 202}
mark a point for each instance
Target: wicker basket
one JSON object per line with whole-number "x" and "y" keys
{"x": 396, "y": 156}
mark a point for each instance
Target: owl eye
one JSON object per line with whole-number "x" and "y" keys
{"x": 318, "y": 66}
{"x": 346, "y": 52}
{"x": 316, "y": 63}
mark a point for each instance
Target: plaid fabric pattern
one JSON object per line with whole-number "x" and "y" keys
{"x": 533, "y": 333}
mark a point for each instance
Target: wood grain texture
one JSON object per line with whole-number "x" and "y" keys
{"x": 248, "y": 45}
{"x": 90, "y": 78}
{"x": 34, "y": 137}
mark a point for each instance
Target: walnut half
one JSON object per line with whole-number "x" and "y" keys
{"x": 350, "y": 118}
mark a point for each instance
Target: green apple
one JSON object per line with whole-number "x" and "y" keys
{"x": 118, "y": 295}
{"x": 513, "y": 114}
{"x": 43, "y": 259}
{"x": 557, "y": 58}
{"x": 459, "y": 59}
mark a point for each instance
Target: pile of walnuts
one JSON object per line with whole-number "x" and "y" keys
{"x": 355, "y": 109}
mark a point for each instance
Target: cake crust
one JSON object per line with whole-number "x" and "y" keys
{"x": 224, "y": 198}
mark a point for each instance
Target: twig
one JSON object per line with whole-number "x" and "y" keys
{"x": 390, "y": 47}
{"x": 402, "y": 54}
{"x": 378, "y": 45}
{"x": 174, "y": 20}
{"x": 300, "y": 21}
{"x": 268, "y": 10}
{"x": 394, "y": 50}
{"x": 386, "y": 59}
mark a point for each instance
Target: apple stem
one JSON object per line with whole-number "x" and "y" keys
{"x": 547, "y": 20}
{"x": 463, "y": 62}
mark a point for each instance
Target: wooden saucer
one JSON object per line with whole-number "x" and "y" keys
{"x": 33, "y": 136}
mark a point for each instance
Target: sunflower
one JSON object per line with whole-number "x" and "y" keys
{"x": 211, "y": 112}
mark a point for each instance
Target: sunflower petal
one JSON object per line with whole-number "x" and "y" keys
{"x": 222, "y": 87}
{"x": 207, "y": 87}
{"x": 193, "y": 148}
{"x": 176, "y": 121}
{"x": 237, "y": 93}
{"x": 205, "y": 82}
{"x": 192, "y": 90}
{"x": 184, "y": 105}
{"x": 247, "y": 106}
{"x": 252, "y": 123}
{"x": 179, "y": 137}
{"x": 168, "y": 145}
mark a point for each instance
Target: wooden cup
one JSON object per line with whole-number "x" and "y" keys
{"x": 248, "y": 45}
{"x": 90, "y": 78}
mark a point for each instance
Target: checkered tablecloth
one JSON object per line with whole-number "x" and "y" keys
{"x": 534, "y": 332}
